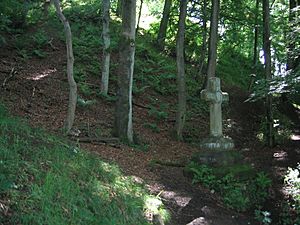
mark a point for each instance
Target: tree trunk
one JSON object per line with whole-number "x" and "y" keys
{"x": 268, "y": 70}
{"x": 119, "y": 7}
{"x": 204, "y": 42}
{"x": 46, "y": 8}
{"x": 139, "y": 17}
{"x": 213, "y": 38}
{"x": 161, "y": 37}
{"x": 181, "y": 108}
{"x": 255, "y": 44}
{"x": 106, "y": 46}
{"x": 123, "y": 116}
{"x": 291, "y": 58}
{"x": 70, "y": 61}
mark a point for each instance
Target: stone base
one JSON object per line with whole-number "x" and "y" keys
{"x": 217, "y": 143}
{"x": 217, "y": 158}
{"x": 217, "y": 151}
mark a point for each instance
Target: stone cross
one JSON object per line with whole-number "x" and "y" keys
{"x": 215, "y": 97}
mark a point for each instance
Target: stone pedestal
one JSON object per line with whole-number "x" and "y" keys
{"x": 217, "y": 158}
{"x": 217, "y": 143}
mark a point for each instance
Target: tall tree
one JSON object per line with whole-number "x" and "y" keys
{"x": 161, "y": 37}
{"x": 204, "y": 37}
{"x": 213, "y": 38}
{"x": 255, "y": 44}
{"x": 70, "y": 62}
{"x": 119, "y": 7}
{"x": 106, "y": 46}
{"x": 139, "y": 16}
{"x": 123, "y": 116}
{"x": 293, "y": 24}
{"x": 268, "y": 70}
{"x": 181, "y": 108}
{"x": 46, "y": 8}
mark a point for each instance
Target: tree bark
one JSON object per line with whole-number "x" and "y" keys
{"x": 255, "y": 44}
{"x": 213, "y": 39}
{"x": 106, "y": 46}
{"x": 119, "y": 7}
{"x": 70, "y": 61}
{"x": 181, "y": 108}
{"x": 291, "y": 58}
{"x": 123, "y": 116}
{"x": 46, "y": 8}
{"x": 268, "y": 70}
{"x": 161, "y": 37}
{"x": 204, "y": 42}
{"x": 139, "y": 17}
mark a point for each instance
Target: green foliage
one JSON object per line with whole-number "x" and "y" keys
{"x": 85, "y": 89}
{"x": 39, "y": 53}
{"x": 40, "y": 39}
{"x": 202, "y": 173}
{"x": 291, "y": 210}
{"x": 288, "y": 83}
{"x": 13, "y": 12}
{"x": 85, "y": 103}
{"x": 29, "y": 45}
{"x": 137, "y": 144}
{"x": 78, "y": 11}
{"x": 109, "y": 98}
{"x": 152, "y": 126}
{"x": 239, "y": 74}
{"x": 160, "y": 112}
{"x": 24, "y": 54}
{"x": 45, "y": 180}
{"x": 154, "y": 69}
{"x": 282, "y": 128}
{"x": 237, "y": 193}
{"x": 263, "y": 216}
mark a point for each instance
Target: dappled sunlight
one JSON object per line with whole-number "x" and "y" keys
{"x": 295, "y": 137}
{"x": 147, "y": 18}
{"x": 41, "y": 75}
{"x": 230, "y": 123}
{"x": 180, "y": 200}
{"x": 280, "y": 156}
{"x": 199, "y": 221}
{"x": 292, "y": 183}
{"x": 260, "y": 136}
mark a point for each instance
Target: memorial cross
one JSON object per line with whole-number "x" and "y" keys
{"x": 215, "y": 97}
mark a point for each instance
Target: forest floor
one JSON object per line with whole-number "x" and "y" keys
{"x": 37, "y": 90}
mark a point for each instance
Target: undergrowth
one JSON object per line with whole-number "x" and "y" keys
{"x": 237, "y": 193}
{"x": 45, "y": 180}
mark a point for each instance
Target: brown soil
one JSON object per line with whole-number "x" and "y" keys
{"x": 38, "y": 91}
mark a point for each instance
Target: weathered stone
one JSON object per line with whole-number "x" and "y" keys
{"x": 217, "y": 158}
{"x": 214, "y": 95}
{"x": 199, "y": 221}
{"x": 217, "y": 143}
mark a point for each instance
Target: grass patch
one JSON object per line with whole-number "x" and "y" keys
{"x": 44, "y": 180}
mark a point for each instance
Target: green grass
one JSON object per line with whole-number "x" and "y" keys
{"x": 44, "y": 180}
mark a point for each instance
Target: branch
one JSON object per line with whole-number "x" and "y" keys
{"x": 168, "y": 163}
{"x": 11, "y": 74}
{"x": 141, "y": 106}
{"x": 96, "y": 140}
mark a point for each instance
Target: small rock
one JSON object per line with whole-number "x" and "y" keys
{"x": 199, "y": 221}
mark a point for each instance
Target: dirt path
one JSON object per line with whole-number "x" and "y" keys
{"x": 38, "y": 92}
